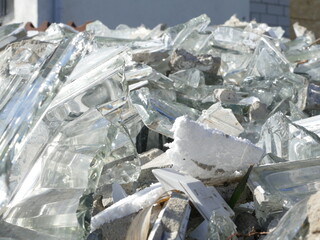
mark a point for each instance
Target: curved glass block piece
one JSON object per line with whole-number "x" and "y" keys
{"x": 285, "y": 184}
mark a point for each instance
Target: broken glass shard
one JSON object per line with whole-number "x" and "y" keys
{"x": 190, "y": 77}
{"x": 11, "y": 33}
{"x": 304, "y": 139}
{"x": 58, "y": 178}
{"x": 31, "y": 102}
{"x": 121, "y": 32}
{"x": 268, "y": 61}
{"x": 275, "y": 135}
{"x": 159, "y": 110}
{"x": 56, "y": 32}
{"x": 177, "y": 34}
{"x": 284, "y": 184}
{"x": 221, "y": 227}
{"x": 289, "y": 140}
{"x": 220, "y": 118}
{"x": 291, "y": 223}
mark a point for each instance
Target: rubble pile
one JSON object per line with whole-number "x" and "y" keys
{"x": 195, "y": 131}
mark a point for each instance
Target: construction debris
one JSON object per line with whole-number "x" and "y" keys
{"x": 137, "y": 133}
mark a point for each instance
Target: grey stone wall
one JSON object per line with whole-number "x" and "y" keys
{"x": 272, "y": 12}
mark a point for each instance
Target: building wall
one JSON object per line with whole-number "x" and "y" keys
{"x": 23, "y": 11}
{"x": 148, "y": 12}
{"x": 152, "y": 12}
{"x": 306, "y": 12}
{"x": 272, "y": 12}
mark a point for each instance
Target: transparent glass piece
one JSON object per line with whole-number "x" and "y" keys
{"x": 100, "y": 84}
{"x": 26, "y": 107}
{"x": 69, "y": 165}
{"x": 285, "y": 184}
{"x": 197, "y": 42}
{"x": 141, "y": 49}
{"x": 292, "y": 141}
{"x": 304, "y": 139}
{"x": 137, "y": 73}
{"x": 296, "y": 46}
{"x": 121, "y": 32}
{"x": 10, "y": 33}
{"x": 222, "y": 119}
{"x": 270, "y": 158}
{"x": 121, "y": 161}
{"x": 27, "y": 55}
{"x": 56, "y": 32}
{"x": 295, "y": 113}
{"x": 19, "y": 61}
{"x": 305, "y": 55}
{"x": 177, "y": 34}
{"x": 268, "y": 61}
{"x": 291, "y": 223}
{"x": 156, "y": 32}
{"x": 190, "y": 77}
{"x": 221, "y": 227}
{"x": 106, "y": 71}
{"x": 302, "y": 31}
{"x": 12, "y": 232}
{"x": 228, "y": 37}
{"x": 50, "y": 211}
{"x": 273, "y": 91}
{"x": 158, "y": 110}
{"x": 191, "y": 90}
{"x": 233, "y": 21}
{"x": 148, "y": 77}
{"x": 233, "y": 67}
{"x": 274, "y": 136}
{"x": 199, "y": 98}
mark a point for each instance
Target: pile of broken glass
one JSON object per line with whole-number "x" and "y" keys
{"x": 186, "y": 132}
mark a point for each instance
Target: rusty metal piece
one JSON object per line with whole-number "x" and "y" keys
{"x": 44, "y": 25}
{"x": 30, "y": 27}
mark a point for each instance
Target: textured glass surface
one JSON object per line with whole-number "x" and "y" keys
{"x": 291, "y": 223}
{"x": 268, "y": 61}
{"x": 11, "y": 33}
{"x": 287, "y": 183}
{"x": 56, "y": 33}
{"x": 24, "y": 109}
{"x": 177, "y": 34}
{"x": 75, "y": 108}
{"x": 158, "y": 111}
{"x": 221, "y": 227}
{"x": 291, "y": 140}
{"x": 61, "y": 170}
